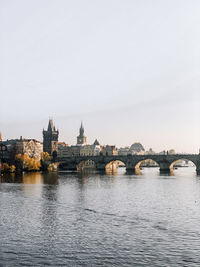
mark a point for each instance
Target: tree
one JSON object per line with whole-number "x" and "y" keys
{"x": 45, "y": 156}
{"x": 45, "y": 161}
{"x": 24, "y": 162}
{"x": 7, "y": 168}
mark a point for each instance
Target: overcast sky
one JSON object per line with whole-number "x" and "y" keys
{"x": 130, "y": 70}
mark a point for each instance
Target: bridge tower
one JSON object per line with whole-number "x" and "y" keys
{"x": 50, "y": 139}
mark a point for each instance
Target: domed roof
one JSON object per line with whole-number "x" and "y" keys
{"x": 137, "y": 147}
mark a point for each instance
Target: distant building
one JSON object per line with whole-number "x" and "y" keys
{"x": 96, "y": 148}
{"x": 31, "y": 147}
{"x": 69, "y": 151}
{"x": 123, "y": 151}
{"x": 86, "y": 150}
{"x": 149, "y": 163}
{"x": 62, "y": 146}
{"x": 81, "y": 139}
{"x": 50, "y": 139}
{"x": 162, "y": 152}
{"x": 10, "y": 144}
{"x": 137, "y": 149}
{"x": 150, "y": 152}
{"x": 109, "y": 150}
{"x": 171, "y": 152}
{"x": 0, "y": 137}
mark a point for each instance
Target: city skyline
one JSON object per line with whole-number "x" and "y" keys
{"x": 130, "y": 71}
{"x": 81, "y": 126}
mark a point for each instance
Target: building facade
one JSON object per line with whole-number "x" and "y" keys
{"x": 86, "y": 150}
{"x": 31, "y": 147}
{"x": 109, "y": 151}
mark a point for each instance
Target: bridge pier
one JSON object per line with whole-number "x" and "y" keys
{"x": 164, "y": 167}
{"x": 130, "y": 166}
{"x": 100, "y": 166}
{"x": 198, "y": 167}
{"x": 198, "y": 171}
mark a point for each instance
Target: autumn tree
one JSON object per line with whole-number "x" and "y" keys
{"x": 7, "y": 168}
{"x": 45, "y": 160}
{"x": 24, "y": 162}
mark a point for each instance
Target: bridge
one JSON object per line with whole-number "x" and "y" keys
{"x": 131, "y": 162}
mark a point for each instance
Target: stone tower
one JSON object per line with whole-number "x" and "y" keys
{"x": 81, "y": 139}
{"x": 50, "y": 139}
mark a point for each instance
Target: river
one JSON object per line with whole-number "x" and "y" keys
{"x": 94, "y": 219}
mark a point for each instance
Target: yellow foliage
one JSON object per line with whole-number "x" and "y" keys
{"x": 45, "y": 156}
{"x": 18, "y": 156}
{"x": 12, "y": 168}
{"x": 5, "y": 167}
{"x": 52, "y": 167}
{"x": 31, "y": 164}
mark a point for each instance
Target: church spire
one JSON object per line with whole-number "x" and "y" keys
{"x": 81, "y": 130}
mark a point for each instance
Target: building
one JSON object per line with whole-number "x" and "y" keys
{"x": 150, "y": 152}
{"x": 50, "y": 139}
{"x": 172, "y": 152}
{"x": 31, "y": 147}
{"x": 109, "y": 150}
{"x": 123, "y": 151}
{"x": 81, "y": 139}
{"x": 62, "y": 146}
{"x": 69, "y": 151}
{"x": 96, "y": 148}
{"x": 96, "y": 143}
{"x": 137, "y": 149}
{"x": 86, "y": 150}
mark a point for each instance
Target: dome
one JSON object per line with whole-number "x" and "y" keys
{"x": 137, "y": 147}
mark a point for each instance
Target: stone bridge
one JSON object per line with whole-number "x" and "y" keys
{"x": 131, "y": 162}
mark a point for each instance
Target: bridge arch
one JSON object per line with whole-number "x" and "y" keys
{"x": 174, "y": 162}
{"x": 148, "y": 162}
{"x": 86, "y": 164}
{"x": 114, "y": 165}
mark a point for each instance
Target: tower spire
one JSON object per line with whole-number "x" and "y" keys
{"x": 81, "y": 130}
{"x": 81, "y": 139}
{"x": 50, "y": 126}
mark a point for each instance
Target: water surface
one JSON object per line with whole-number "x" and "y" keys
{"x": 93, "y": 219}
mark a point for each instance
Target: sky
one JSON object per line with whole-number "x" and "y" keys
{"x": 129, "y": 69}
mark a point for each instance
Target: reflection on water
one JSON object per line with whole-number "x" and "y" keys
{"x": 31, "y": 178}
{"x": 100, "y": 218}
